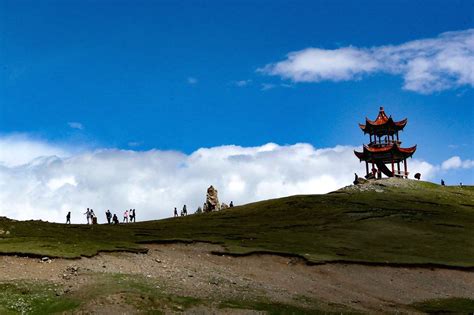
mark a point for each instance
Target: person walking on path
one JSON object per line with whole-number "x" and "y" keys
{"x": 132, "y": 216}
{"x": 125, "y": 216}
{"x": 68, "y": 218}
{"x": 175, "y": 212}
{"x": 185, "y": 210}
{"x": 88, "y": 215}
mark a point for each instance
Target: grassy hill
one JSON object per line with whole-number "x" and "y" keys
{"x": 388, "y": 221}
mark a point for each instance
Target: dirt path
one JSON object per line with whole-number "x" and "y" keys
{"x": 190, "y": 270}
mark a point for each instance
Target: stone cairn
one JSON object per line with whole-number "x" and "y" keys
{"x": 212, "y": 201}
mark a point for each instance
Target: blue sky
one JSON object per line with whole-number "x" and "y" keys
{"x": 181, "y": 75}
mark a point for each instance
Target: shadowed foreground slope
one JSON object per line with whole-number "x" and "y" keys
{"x": 383, "y": 222}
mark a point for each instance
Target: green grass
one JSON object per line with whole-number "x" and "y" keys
{"x": 29, "y": 297}
{"x": 446, "y": 306}
{"x": 140, "y": 292}
{"x": 32, "y": 298}
{"x": 420, "y": 223}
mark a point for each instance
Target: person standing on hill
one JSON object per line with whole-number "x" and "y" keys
{"x": 68, "y": 218}
{"x": 108, "y": 215}
{"x": 133, "y": 216}
{"x": 125, "y": 216}
{"x": 175, "y": 212}
{"x": 88, "y": 215}
{"x": 115, "y": 219}
{"x": 185, "y": 210}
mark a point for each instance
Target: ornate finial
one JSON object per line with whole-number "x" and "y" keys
{"x": 381, "y": 108}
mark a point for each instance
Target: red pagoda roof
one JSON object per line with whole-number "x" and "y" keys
{"x": 385, "y": 153}
{"x": 383, "y": 124}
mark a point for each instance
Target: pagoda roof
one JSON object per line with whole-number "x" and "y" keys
{"x": 383, "y": 124}
{"x": 385, "y": 153}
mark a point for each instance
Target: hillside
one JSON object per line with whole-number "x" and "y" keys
{"x": 389, "y": 221}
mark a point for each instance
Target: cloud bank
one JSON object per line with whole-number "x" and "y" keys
{"x": 455, "y": 162}
{"x": 43, "y": 181}
{"x": 426, "y": 65}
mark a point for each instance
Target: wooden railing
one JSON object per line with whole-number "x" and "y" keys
{"x": 400, "y": 173}
{"x": 384, "y": 143}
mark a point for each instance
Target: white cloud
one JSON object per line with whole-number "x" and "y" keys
{"x": 242, "y": 83}
{"x": 18, "y": 149}
{"x": 192, "y": 80}
{"x": 75, "y": 125}
{"x": 426, "y": 65}
{"x": 455, "y": 162}
{"x": 48, "y": 181}
{"x": 268, "y": 86}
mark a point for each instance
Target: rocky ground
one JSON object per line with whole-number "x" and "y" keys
{"x": 191, "y": 270}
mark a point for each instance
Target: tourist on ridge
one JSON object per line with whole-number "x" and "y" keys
{"x": 108, "y": 215}
{"x": 88, "y": 215}
{"x": 115, "y": 219}
{"x": 68, "y": 218}
{"x": 175, "y": 212}
{"x": 231, "y": 205}
{"x": 125, "y": 216}
{"x": 185, "y": 210}
{"x": 132, "y": 215}
{"x": 442, "y": 182}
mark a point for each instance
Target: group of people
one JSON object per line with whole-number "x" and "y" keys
{"x": 128, "y": 216}
{"x": 184, "y": 211}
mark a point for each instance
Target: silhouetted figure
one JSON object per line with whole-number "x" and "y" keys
{"x": 175, "y": 212}
{"x": 356, "y": 179}
{"x": 108, "y": 215}
{"x": 125, "y": 216}
{"x": 231, "y": 205}
{"x": 93, "y": 217}
{"x": 185, "y": 210}
{"x": 68, "y": 218}
{"x": 442, "y": 182}
{"x": 374, "y": 172}
{"x": 418, "y": 176}
{"x": 88, "y": 215}
{"x": 115, "y": 219}
{"x": 132, "y": 215}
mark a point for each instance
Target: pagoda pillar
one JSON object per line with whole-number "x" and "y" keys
{"x": 406, "y": 168}
{"x": 366, "y": 168}
{"x": 393, "y": 168}
{"x": 398, "y": 167}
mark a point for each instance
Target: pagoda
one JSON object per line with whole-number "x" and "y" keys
{"x": 384, "y": 147}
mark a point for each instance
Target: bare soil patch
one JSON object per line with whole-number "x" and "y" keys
{"x": 191, "y": 270}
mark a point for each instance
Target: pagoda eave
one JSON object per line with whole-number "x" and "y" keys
{"x": 387, "y": 154}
